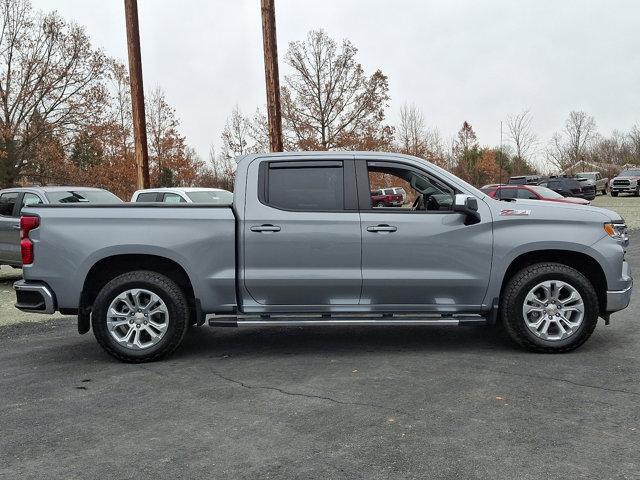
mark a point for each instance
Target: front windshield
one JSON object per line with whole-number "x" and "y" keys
{"x": 217, "y": 197}
{"x": 82, "y": 196}
{"x": 546, "y": 192}
{"x": 590, "y": 176}
{"x": 630, "y": 173}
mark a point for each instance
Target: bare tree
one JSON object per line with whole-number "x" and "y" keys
{"x": 328, "y": 102}
{"x": 521, "y": 135}
{"x": 242, "y": 135}
{"x": 634, "y": 140}
{"x": 572, "y": 145}
{"x": 580, "y": 130}
{"x": 50, "y": 81}
{"x": 411, "y": 131}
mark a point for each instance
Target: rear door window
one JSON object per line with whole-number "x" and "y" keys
{"x": 8, "y": 203}
{"x": 147, "y": 197}
{"x": 526, "y": 194}
{"x": 507, "y": 193}
{"x": 316, "y": 186}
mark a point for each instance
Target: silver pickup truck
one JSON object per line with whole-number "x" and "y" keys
{"x": 303, "y": 245}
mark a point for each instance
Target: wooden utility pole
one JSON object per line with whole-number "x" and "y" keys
{"x": 137, "y": 93}
{"x": 271, "y": 74}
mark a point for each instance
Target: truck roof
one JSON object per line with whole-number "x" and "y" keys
{"x": 51, "y": 188}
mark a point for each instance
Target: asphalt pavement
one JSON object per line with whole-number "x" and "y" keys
{"x": 333, "y": 403}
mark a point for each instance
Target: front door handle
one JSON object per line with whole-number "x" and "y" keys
{"x": 382, "y": 228}
{"x": 265, "y": 228}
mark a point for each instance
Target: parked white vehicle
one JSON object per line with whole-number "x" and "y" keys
{"x": 216, "y": 196}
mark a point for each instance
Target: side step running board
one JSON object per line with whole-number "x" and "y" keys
{"x": 297, "y": 321}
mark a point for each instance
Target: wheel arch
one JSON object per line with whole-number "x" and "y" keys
{"x": 584, "y": 263}
{"x": 108, "y": 268}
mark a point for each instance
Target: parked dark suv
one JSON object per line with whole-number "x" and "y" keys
{"x": 569, "y": 187}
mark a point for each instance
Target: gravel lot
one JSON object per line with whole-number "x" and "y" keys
{"x": 377, "y": 403}
{"x": 627, "y": 206}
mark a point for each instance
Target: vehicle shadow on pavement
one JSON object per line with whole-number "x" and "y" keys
{"x": 351, "y": 340}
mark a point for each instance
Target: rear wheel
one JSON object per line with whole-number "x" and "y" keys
{"x": 140, "y": 316}
{"x": 549, "y": 307}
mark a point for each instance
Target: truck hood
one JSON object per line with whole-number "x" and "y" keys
{"x": 544, "y": 210}
{"x": 626, "y": 178}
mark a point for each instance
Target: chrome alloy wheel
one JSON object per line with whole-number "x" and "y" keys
{"x": 553, "y": 310}
{"x": 137, "y": 319}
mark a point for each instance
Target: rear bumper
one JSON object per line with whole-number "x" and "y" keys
{"x": 34, "y": 297}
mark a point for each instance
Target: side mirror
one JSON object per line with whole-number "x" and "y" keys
{"x": 467, "y": 205}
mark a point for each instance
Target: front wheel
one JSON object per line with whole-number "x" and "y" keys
{"x": 549, "y": 307}
{"x": 614, "y": 194}
{"x": 140, "y": 316}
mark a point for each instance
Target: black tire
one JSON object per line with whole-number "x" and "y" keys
{"x": 614, "y": 194}
{"x": 381, "y": 204}
{"x": 170, "y": 293}
{"x": 637, "y": 192}
{"x": 514, "y": 295}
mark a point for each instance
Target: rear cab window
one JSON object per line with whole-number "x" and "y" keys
{"x": 304, "y": 186}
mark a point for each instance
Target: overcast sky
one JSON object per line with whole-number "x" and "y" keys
{"x": 456, "y": 60}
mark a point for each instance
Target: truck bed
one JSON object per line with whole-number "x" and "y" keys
{"x": 200, "y": 238}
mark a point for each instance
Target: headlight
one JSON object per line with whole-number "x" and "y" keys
{"x": 617, "y": 231}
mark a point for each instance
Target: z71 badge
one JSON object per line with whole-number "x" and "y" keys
{"x": 510, "y": 212}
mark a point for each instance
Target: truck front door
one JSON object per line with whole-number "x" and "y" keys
{"x": 420, "y": 256}
{"x": 301, "y": 240}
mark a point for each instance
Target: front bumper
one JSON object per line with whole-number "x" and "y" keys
{"x": 624, "y": 188}
{"x": 619, "y": 299}
{"x": 34, "y": 297}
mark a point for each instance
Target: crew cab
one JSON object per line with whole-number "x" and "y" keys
{"x": 303, "y": 244}
{"x": 627, "y": 182}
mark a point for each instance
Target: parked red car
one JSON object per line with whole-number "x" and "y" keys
{"x": 386, "y": 198}
{"x": 529, "y": 192}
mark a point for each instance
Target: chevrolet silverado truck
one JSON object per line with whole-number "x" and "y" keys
{"x": 627, "y": 182}
{"x": 302, "y": 244}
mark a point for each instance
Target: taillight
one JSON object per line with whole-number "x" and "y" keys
{"x": 26, "y": 245}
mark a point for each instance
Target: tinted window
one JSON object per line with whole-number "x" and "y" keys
{"x": 147, "y": 197}
{"x": 630, "y": 173}
{"x": 7, "y": 203}
{"x": 30, "y": 199}
{"x": 82, "y": 196}
{"x": 526, "y": 194}
{"x": 221, "y": 197}
{"x": 507, "y": 193}
{"x": 306, "y": 188}
{"x": 173, "y": 198}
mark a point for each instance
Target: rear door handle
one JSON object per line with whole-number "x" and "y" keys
{"x": 382, "y": 228}
{"x": 265, "y": 228}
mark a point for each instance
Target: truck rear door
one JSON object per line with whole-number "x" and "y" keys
{"x": 301, "y": 235}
